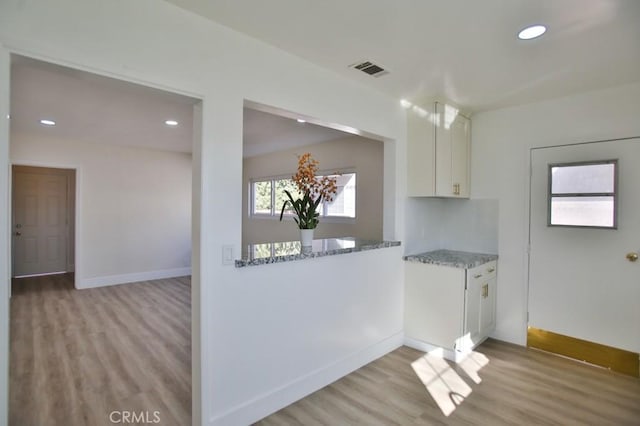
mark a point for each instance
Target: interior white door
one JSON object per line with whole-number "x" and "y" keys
{"x": 581, "y": 283}
{"x": 39, "y": 221}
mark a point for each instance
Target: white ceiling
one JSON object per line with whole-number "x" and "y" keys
{"x": 464, "y": 50}
{"x": 91, "y": 108}
{"x": 264, "y": 133}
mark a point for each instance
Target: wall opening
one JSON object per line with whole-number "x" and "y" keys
{"x": 134, "y": 182}
{"x": 273, "y": 140}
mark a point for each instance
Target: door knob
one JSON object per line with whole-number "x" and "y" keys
{"x": 632, "y": 257}
{"x": 18, "y": 233}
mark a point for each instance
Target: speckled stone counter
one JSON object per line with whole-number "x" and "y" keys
{"x": 262, "y": 254}
{"x": 455, "y": 259}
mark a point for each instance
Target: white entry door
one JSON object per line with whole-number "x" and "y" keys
{"x": 39, "y": 221}
{"x": 583, "y": 282}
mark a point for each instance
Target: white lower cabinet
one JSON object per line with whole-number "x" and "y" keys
{"x": 449, "y": 308}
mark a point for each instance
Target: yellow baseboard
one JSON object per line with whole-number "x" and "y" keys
{"x": 619, "y": 360}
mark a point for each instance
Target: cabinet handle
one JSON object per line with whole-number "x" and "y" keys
{"x": 456, "y": 189}
{"x": 490, "y": 270}
{"x": 477, "y": 276}
{"x": 485, "y": 291}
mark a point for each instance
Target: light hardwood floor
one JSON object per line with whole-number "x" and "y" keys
{"x": 517, "y": 386}
{"x": 78, "y": 355}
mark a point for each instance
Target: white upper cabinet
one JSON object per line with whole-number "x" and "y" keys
{"x": 453, "y": 144}
{"x": 421, "y": 152}
{"x": 438, "y": 152}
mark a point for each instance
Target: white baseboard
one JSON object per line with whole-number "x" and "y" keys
{"x": 429, "y": 348}
{"x": 455, "y": 356}
{"x": 131, "y": 278}
{"x": 257, "y": 408}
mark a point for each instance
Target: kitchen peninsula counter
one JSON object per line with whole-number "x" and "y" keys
{"x": 287, "y": 251}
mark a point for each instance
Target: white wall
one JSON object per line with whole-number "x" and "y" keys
{"x": 5, "y": 241}
{"x": 454, "y": 224}
{"x": 501, "y": 141}
{"x": 286, "y": 336}
{"x": 134, "y": 207}
{"x": 360, "y": 155}
{"x": 152, "y": 42}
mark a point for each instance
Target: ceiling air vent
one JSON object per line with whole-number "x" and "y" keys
{"x": 370, "y": 68}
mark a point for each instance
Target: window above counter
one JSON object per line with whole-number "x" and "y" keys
{"x": 267, "y": 197}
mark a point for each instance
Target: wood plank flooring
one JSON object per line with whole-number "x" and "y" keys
{"x": 79, "y": 355}
{"x": 517, "y": 386}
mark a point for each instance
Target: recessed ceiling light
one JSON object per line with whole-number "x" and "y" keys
{"x": 532, "y": 31}
{"x": 300, "y": 120}
{"x": 172, "y": 123}
{"x": 47, "y": 122}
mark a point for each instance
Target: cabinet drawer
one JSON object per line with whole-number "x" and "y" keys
{"x": 482, "y": 273}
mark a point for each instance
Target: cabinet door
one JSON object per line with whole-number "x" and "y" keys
{"x": 488, "y": 308}
{"x": 444, "y": 119}
{"x": 421, "y": 154}
{"x": 460, "y": 147}
{"x": 473, "y": 312}
{"x": 480, "y": 297}
{"x": 453, "y": 143}
{"x": 434, "y": 303}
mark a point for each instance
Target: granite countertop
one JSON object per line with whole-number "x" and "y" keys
{"x": 262, "y": 254}
{"x": 453, "y": 258}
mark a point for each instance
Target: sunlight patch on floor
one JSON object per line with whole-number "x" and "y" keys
{"x": 443, "y": 383}
{"x": 472, "y": 364}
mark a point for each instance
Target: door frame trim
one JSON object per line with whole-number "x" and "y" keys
{"x": 76, "y": 214}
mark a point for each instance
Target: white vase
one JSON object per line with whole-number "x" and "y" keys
{"x": 306, "y": 237}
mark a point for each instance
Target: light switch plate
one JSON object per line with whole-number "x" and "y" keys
{"x": 227, "y": 255}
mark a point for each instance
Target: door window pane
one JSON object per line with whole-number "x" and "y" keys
{"x": 582, "y": 211}
{"x": 583, "y": 194}
{"x": 588, "y": 178}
